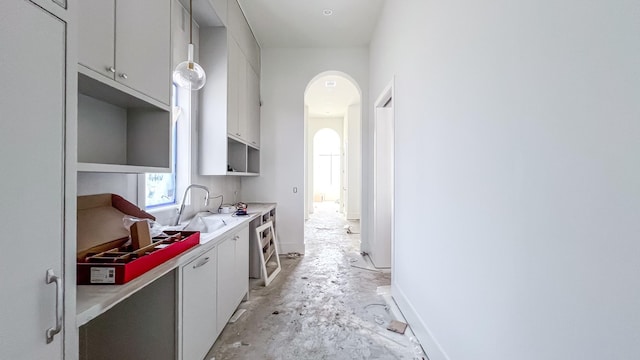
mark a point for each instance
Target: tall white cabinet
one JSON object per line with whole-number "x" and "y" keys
{"x": 35, "y": 99}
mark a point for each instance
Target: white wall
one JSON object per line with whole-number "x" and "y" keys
{"x": 285, "y": 75}
{"x": 517, "y": 175}
{"x": 354, "y": 161}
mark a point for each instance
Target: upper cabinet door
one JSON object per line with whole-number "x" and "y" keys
{"x": 253, "y": 107}
{"x": 96, "y": 36}
{"x": 233, "y": 88}
{"x": 242, "y": 98}
{"x": 143, "y": 46}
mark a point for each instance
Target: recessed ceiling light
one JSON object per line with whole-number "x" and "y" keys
{"x": 327, "y": 12}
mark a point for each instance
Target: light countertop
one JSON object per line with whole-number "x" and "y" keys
{"x": 93, "y": 300}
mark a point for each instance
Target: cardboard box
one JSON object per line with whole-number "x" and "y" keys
{"x": 105, "y": 255}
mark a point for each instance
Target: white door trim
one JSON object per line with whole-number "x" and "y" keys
{"x": 385, "y": 100}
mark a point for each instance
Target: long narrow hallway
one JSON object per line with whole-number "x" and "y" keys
{"x": 322, "y": 305}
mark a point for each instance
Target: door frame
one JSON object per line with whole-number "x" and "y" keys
{"x": 386, "y": 99}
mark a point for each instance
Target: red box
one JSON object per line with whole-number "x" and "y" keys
{"x": 102, "y": 234}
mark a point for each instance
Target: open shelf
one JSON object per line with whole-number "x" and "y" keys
{"x": 129, "y": 136}
{"x": 243, "y": 160}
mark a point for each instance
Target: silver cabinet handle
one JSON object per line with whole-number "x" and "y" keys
{"x": 62, "y": 3}
{"x": 51, "y": 278}
{"x": 124, "y": 76}
{"x": 201, "y": 262}
{"x": 238, "y": 134}
{"x": 111, "y": 69}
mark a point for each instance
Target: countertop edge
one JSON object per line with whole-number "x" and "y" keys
{"x": 94, "y": 300}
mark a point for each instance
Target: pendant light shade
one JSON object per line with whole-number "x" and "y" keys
{"x": 188, "y": 74}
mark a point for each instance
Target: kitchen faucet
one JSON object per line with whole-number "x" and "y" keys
{"x": 184, "y": 198}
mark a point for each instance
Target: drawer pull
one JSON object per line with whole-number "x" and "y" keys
{"x": 201, "y": 262}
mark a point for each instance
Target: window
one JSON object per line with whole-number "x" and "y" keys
{"x": 160, "y": 188}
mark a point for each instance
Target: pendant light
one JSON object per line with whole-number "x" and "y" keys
{"x": 188, "y": 74}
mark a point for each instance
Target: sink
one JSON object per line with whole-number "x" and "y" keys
{"x": 205, "y": 224}
{"x": 209, "y": 222}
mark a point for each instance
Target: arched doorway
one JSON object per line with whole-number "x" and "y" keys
{"x": 333, "y": 101}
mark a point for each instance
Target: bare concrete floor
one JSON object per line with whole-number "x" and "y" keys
{"x": 319, "y": 306}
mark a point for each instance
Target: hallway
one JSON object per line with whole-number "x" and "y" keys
{"x": 321, "y": 305}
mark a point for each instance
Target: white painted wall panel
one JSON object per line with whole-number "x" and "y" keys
{"x": 353, "y": 127}
{"x": 516, "y": 175}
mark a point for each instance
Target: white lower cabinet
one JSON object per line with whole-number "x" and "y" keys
{"x": 198, "y": 306}
{"x": 213, "y": 285}
{"x": 233, "y": 274}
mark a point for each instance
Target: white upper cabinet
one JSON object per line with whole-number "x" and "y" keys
{"x": 241, "y": 32}
{"x": 234, "y": 89}
{"x": 96, "y": 40}
{"x": 252, "y": 107}
{"x": 129, "y": 42}
{"x": 143, "y": 46}
{"x": 244, "y": 93}
{"x": 124, "y": 86}
{"x": 229, "y": 107}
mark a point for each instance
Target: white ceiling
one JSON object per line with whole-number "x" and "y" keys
{"x": 326, "y": 101}
{"x": 301, "y": 23}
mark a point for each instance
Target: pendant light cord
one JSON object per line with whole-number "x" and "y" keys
{"x": 190, "y": 21}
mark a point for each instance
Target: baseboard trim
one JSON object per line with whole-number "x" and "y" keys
{"x": 285, "y": 248}
{"x": 353, "y": 216}
{"x": 429, "y": 344}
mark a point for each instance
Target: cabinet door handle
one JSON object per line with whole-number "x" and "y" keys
{"x": 238, "y": 134}
{"x": 124, "y": 76}
{"x": 51, "y": 278}
{"x": 201, "y": 262}
{"x": 62, "y": 3}
{"x": 111, "y": 69}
